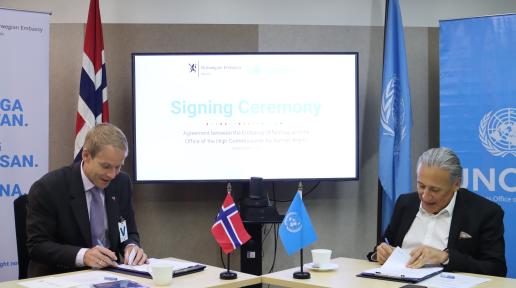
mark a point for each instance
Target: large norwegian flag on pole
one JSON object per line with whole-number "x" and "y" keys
{"x": 93, "y": 103}
{"x": 228, "y": 228}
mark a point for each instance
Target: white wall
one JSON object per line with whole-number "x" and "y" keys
{"x": 423, "y": 13}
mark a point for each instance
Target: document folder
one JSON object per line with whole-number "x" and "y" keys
{"x": 180, "y": 268}
{"x": 408, "y": 278}
{"x": 395, "y": 269}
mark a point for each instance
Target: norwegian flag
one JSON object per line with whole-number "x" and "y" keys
{"x": 228, "y": 228}
{"x": 93, "y": 103}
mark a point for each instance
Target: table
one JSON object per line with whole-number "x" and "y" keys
{"x": 345, "y": 276}
{"x": 207, "y": 278}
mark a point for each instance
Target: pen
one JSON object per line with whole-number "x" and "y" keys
{"x": 99, "y": 243}
{"x": 386, "y": 240}
{"x": 447, "y": 276}
{"x": 132, "y": 254}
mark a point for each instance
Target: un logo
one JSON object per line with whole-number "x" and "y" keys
{"x": 292, "y": 222}
{"x": 392, "y": 116}
{"x": 497, "y": 132}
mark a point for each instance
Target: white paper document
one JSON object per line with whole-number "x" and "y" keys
{"x": 81, "y": 280}
{"x": 395, "y": 267}
{"x": 451, "y": 280}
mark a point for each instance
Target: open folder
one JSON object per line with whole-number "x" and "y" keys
{"x": 395, "y": 269}
{"x": 180, "y": 268}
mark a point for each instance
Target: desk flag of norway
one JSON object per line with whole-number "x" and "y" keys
{"x": 92, "y": 106}
{"x": 228, "y": 228}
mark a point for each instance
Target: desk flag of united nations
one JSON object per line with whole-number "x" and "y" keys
{"x": 296, "y": 231}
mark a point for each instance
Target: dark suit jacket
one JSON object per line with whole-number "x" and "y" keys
{"x": 58, "y": 224}
{"x": 483, "y": 253}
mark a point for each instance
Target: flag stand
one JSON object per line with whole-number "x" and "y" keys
{"x": 229, "y": 231}
{"x": 301, "y": 274}
{"x": 228, "y": 275}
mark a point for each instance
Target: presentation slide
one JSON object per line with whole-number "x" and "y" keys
{"x": 237, "y": 116}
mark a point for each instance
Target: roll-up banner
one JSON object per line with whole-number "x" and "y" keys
{"x": 24, "y": 98}
{"x": 478, "y": 109}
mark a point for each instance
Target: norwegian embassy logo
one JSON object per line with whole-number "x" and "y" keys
{"x": 292, "y": 222}
{"x": 193, "y": 68}
{"x": 497, "y": 132}
{"x": 392, "y": 116}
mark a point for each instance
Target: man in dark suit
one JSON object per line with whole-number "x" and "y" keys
{"x": 445, "y": 225}
{"x": 68, "y": 226}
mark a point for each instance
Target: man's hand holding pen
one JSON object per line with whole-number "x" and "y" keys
{"x": 99, "y": 257}
{"x": 383, "y": 251}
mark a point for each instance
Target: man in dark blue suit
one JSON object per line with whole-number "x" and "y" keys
{"x": 60, "y": 237}
{"x": 444, "y": 224}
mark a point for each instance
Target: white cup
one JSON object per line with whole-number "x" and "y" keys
{"x": 161, "y": 272}
{"x": 320, "y": 257}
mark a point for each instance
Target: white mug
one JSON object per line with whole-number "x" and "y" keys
{"x": 320, "y": 257}
{"x": 161, "y": 272}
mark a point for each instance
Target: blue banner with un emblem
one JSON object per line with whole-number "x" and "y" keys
{"x": 478, "y": 109}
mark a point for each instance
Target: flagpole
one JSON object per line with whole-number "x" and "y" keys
{"x": 301, "y": 274}
{"x": 379, "y": 212}
{"x": 228, "y": 275}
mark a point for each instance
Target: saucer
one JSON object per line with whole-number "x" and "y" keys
{"x": 325, "y": 267}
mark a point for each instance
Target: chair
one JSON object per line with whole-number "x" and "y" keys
{"x": 20, "y": 220}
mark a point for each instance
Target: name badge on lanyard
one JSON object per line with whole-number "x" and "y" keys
{"x": 122, "y": 230}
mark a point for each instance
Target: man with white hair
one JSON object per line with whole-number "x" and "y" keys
{"x": 443, "y": 224}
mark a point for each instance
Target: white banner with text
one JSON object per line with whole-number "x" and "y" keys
{"x": 24, "y": 112}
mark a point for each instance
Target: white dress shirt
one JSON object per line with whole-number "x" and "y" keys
{"x": 429, "y": 229}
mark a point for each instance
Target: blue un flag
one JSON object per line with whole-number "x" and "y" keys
{"x": 394, "y": 168}
{"x": 296, "y": 230}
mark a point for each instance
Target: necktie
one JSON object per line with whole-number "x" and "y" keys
{"x": 97, "y": 218}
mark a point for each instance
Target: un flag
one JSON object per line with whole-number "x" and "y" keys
{"x": 394, "y": 158}
{"x": 296, "y": 230}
